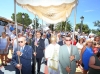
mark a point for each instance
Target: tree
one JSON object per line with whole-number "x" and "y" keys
{"x": 51, "y": 26}
{"x": 26, "y": 21}
{"x": 64, "y": 26}
{"x": 97, "y": 24}
{"x": 85, "y": 28}
{"x": 37, "y": 23}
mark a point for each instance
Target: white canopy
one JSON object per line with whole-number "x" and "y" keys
{"x": 51, "y": 11}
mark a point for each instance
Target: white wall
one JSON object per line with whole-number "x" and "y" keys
{"x": 20, "y": 28}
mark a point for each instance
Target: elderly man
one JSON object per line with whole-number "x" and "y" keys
{"x": 25, "y": 54}
{"x": 68, "y": 54}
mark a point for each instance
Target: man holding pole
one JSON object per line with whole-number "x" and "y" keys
{"x": 22, "y": 56}
{"x": 38, "y": 46}
{"x": 68, "y": 55}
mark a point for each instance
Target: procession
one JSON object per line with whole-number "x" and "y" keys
{"x": 55, "y": 48}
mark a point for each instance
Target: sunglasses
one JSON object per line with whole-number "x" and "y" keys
{"x": 20, "y": 41}
{"x": 68, "y": 40}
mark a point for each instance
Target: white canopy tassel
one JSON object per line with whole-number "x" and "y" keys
{"x": 16, "y": 31}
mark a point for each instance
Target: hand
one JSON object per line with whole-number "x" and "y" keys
{"x": 34, "y": 53}
{"x": 35, "y": 43}
{"x": 68, "y": 69}
{"x": 46, "y": 58}
{"x": 80, "y": 61}
{"x": 72, "y": 58}
{"x": 19, "y": 66}
{"x": 19, "y": 53}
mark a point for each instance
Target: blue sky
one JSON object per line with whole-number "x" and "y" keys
{"x": 90, "y": 9}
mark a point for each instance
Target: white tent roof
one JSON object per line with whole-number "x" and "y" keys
{"x": 51, "y": 11}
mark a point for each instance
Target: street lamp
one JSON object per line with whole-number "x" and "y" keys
{"x": 82, "y": 18}
{"x": 23, "y": 16}
{"x": 52, "y": 27}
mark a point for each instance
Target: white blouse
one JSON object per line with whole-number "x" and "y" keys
{"x": 3, "y": 43}
{"x": 79, "y": 46}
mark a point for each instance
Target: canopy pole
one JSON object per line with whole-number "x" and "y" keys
{"x": 35, "y": 46}
{"x": 42, "y": 25}
{"x": 65, "y": 24}
{"x": 73, "y": 33}
{"x": 61, "y": 26}
{"x": 16, "y": 31}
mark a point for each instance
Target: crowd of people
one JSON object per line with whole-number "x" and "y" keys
{"x": 60, "y": 51}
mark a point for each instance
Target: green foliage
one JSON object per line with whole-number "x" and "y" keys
{"x": 64, "y": 26}
{"x": 37, "y": 23}
{"x": 97, "y": 24}
{"x": 85, "y": 28}
{"x": 51, "y": 26}
{"x": 26, "y": 21}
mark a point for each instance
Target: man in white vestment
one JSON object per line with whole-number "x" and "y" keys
{"x": 52, "y": 52}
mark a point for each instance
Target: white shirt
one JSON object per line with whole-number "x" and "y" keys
{"x": 22, "y": 48}
{"x": 12, "y": 36}
{"x": 46, "y": 42}
{"x": 69, "y": 49}
{"x": 3, "y": 43}
{"x": 49, "y": 51}
{"x": 79, "y": 46}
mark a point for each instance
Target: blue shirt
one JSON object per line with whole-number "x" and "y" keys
{"x": 11, "y": 28}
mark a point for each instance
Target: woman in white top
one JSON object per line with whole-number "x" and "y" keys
{"x": 80, "y": 44}
{"x": 52, "y": 52}
{"x": 4, "y": 43}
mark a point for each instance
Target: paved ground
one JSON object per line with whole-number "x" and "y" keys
{"x": 9, "y": 69}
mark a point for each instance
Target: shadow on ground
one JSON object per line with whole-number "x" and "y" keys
{"x": 9, "y": 67}
{"x": 41, "y": 73}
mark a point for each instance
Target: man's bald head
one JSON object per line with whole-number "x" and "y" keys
{"x": 22, "y": 39}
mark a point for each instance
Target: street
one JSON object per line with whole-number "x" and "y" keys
{"x": 9, "y": 69}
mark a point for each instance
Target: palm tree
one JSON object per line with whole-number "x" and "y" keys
{"x": 97, "y": 23}
{"x": 37, "y": 23}
{"x": 64, "y": 26}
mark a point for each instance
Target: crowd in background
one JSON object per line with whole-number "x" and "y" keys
{"x": 53, "y": 45}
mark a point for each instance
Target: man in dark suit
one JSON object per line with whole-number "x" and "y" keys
{"x": 62, "y": 42}
{"x": 38, "y": 46}
{"x": 25, "y": 54}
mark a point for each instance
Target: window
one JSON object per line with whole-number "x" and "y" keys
{"x": 3, "y": 23}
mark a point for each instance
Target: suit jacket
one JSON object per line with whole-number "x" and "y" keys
{"x": 48, "y": 35}
{"x": 65, "y": 61}
{"x": 25, "y": 60}
{"x": 60, "y": 43}
{"x": 39, "y": 49}
{"x": 46, "y": 42}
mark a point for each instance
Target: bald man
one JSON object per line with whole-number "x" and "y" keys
{"x": 25, "y": 54}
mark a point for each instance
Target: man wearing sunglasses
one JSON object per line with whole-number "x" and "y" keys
{"x": 25, "y": 54}
{"x": 68, "y": 55}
